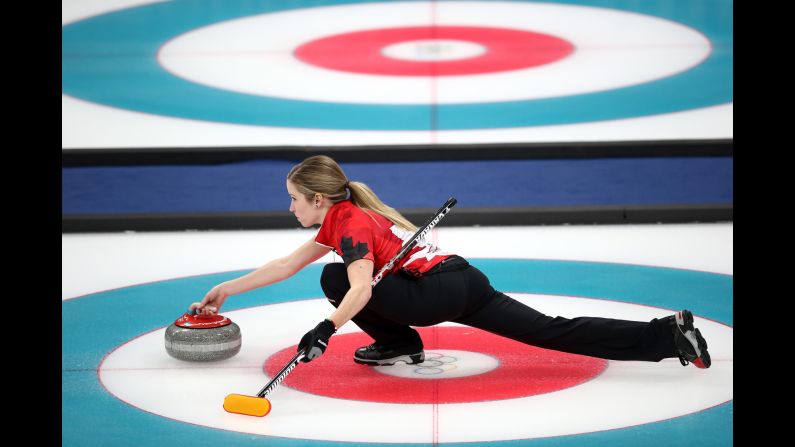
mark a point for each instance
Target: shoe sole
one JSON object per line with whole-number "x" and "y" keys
{"x": 407, "y": 359}
{"x": 684, "y": 319}
{"x": 704, "y": 361}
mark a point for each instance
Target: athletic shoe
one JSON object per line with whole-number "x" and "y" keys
{"x": 691, "y": 345}
{"x": 389, "y": 353}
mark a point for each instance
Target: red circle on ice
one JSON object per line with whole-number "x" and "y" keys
{"x": 505, "y": 49}
{"x": 523, "y": 370}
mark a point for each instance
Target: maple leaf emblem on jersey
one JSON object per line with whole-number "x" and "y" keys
{"x": 351, "y": 253}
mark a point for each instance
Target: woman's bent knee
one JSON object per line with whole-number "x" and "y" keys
{"x": 334, "y": 281}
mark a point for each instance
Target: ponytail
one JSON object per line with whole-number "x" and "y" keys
{"x": 364, "y": 197}
{"x": 321, "y": 174}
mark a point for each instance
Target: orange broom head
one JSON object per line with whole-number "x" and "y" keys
{"x": 248, "y": 405}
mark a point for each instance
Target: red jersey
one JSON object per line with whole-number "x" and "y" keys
{"x": 354, "y": 234}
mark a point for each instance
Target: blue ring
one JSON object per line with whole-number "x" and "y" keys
{"x": 111, "y": 59}
{"x": 95, "y": 325}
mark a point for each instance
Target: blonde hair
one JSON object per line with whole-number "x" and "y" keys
{"x": 320, "y": 174}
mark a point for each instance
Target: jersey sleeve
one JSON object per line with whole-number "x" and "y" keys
{"x": 356, "y": 242}
{"x": 349, "y": 234}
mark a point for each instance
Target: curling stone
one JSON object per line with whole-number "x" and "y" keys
{"x": 203, "y": 338}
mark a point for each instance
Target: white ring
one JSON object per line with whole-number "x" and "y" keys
{"x": 254, "y": 55}
{"x": 142, "y": 374}
{"x": 433, "y": 50}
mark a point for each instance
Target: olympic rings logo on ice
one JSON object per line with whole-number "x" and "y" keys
{"x": 444, "y": 364}
{"x": 439, "y": 364}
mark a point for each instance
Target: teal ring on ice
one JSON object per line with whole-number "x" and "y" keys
{"x": 94, "y": 325}
{"x": 111, "y": 59}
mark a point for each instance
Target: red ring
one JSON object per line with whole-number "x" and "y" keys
{"x": 506, "y": 49}
{"x": 524, "y": 370}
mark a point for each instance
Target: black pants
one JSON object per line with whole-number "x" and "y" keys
{"x": 465, "y": 296}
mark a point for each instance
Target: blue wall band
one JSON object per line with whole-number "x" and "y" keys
{"x": 239, "y": 187}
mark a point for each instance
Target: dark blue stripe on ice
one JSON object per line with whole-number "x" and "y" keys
{"x": 259, "y": 185}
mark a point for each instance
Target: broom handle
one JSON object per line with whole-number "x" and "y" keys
{"x": 440, "y": 213}
{"x": 281, "y": 375}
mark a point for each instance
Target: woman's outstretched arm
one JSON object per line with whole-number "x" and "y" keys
{"x": 272, "y": 272}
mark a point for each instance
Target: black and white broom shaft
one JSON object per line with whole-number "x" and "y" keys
{"x": 418, "y": 236}
{"x": 281, "y": 375}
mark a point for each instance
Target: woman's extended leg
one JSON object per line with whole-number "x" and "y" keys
{"x": 597, "y": 337}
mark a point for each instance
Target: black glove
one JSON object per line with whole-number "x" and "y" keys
{"x": 316, "y": 340}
